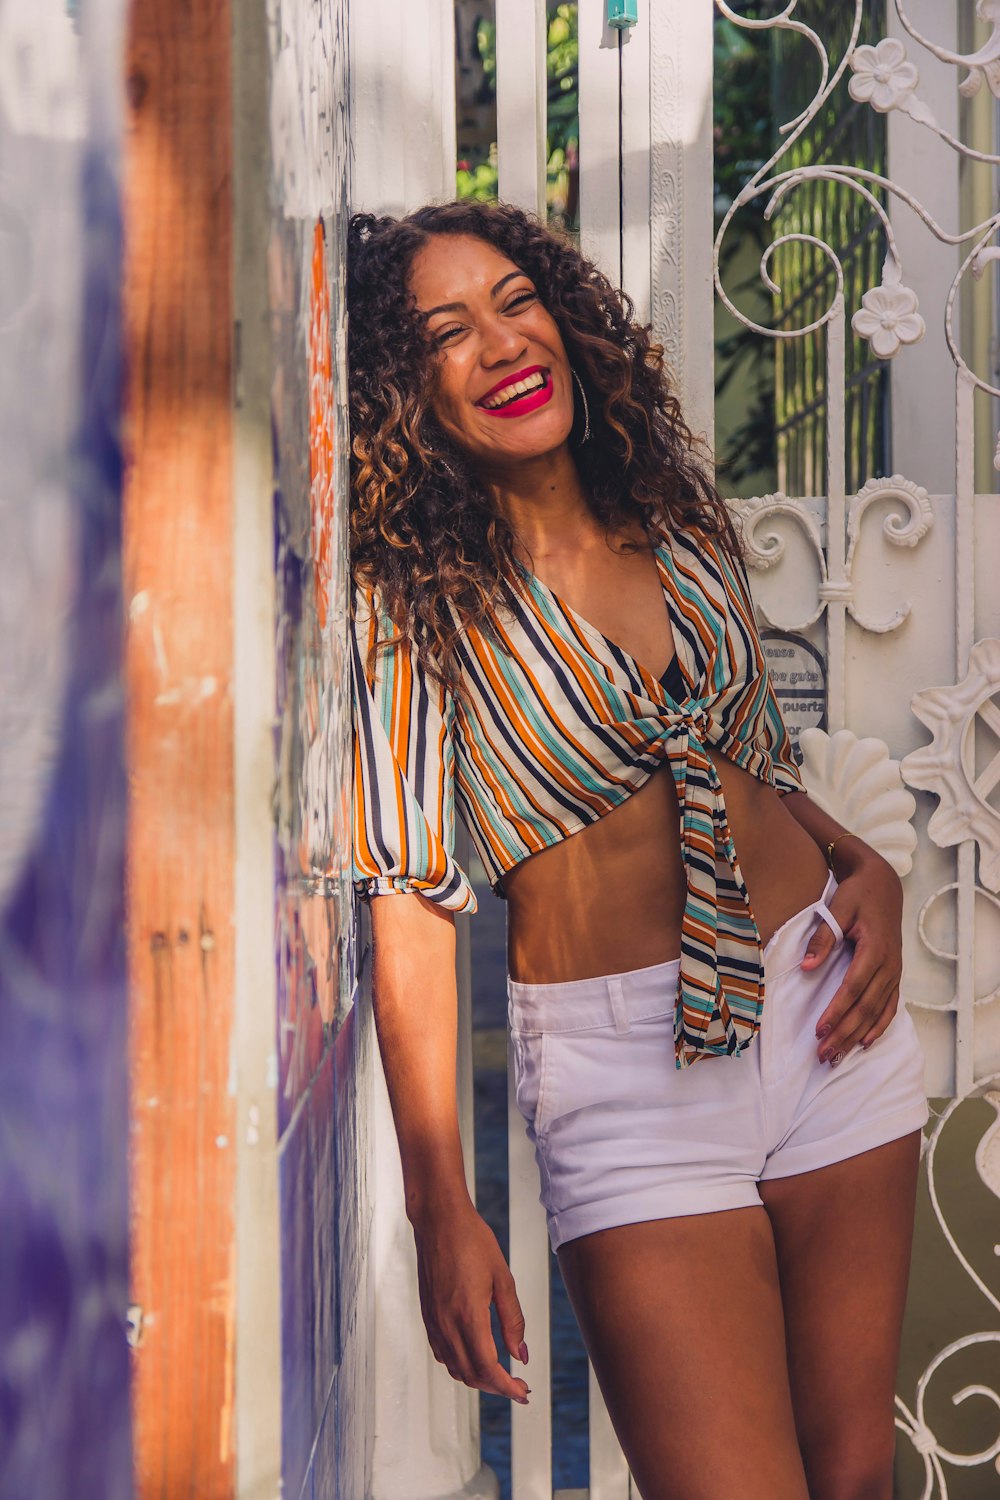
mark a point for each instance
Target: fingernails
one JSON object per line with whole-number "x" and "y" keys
{"x": 522, "y": 1353}
{"x": 822, "y": 1031}
{"x": 521, "y": 1400}
{"x": 838, "y": 1059}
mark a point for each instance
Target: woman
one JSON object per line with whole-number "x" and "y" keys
{"x": 553, "y": 628}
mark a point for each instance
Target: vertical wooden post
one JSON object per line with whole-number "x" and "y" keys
{"x": 178, "y": 572}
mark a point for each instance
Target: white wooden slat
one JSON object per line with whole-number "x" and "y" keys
{"x": 925, "y": 449}
{"x": 521, "y": 99}
{"x": 403, "y": 137}
{"x": 609, "y": 1476}
{"x": 531, "y": 1425}
{"x": 600, "y": 220}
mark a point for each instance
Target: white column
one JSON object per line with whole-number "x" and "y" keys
{"x": 614, "y": 151}
{"x": 683, "y": 298}
{"x": 636, "y": 178}
{"x": 923, "y": 431}
{"x": 426, "y": 1444}
{"x": 521, "y": 101}
{"x": 600, "y": 218}
{"x": 402, "y": 104}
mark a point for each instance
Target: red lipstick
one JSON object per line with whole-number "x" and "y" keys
{"x": 520, "y": 405}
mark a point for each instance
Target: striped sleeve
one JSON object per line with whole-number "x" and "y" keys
{"x": 772, "y": 735}
{"x": 404, "y": 771}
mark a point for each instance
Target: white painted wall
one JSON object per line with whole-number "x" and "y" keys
{"x": 923, "y": 440}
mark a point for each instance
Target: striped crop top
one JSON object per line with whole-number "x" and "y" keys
{"x": 558, "y": 726}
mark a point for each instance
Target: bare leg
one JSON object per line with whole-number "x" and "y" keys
{"x": 843, "y": 1236}
{"x": 683, "y": 1322}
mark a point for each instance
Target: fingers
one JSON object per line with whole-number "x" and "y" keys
{"x": 464, "y": 1345}
{"x": 882, "y": 1025}
{"x": 819, "y": 946}
{"x": 862, "y": 1007}
{"x": 510, "y": 1315}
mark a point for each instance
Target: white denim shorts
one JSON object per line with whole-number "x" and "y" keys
{"x": 622, "y": 1135}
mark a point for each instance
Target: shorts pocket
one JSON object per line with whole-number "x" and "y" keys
{"x": 580, "y": 1070}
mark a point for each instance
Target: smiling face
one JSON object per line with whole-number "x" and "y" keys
{"x": 504, "y": 391}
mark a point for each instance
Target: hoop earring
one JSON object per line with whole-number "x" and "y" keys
{"x": 586, "y": 408}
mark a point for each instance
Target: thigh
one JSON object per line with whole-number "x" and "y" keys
{"x": 683, "y": 1323}
{"x": 842, "y": 1236}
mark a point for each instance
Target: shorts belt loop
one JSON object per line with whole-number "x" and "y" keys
{"x": 616, "y": 995}
{"x": 831, "y": 921}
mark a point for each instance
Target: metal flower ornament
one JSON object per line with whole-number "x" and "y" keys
{"x": 888, "y": 316}
{"x": 883, "y": 77}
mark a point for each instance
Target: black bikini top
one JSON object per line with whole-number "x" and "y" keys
{"x": 673, "y": 681}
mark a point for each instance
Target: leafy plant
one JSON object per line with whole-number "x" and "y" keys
{"x": 744, "y": 134}
{"x": 479, "y": 179}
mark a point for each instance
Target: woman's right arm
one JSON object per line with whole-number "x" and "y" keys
{"x": 459, "y": 1263}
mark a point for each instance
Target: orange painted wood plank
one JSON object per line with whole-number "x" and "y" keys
{"x": 179, "y": 653}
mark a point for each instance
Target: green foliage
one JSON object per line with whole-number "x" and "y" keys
{"x": 744, "y": 136}
{"x": 479, "y": 179}
{"x": 743, "y": 120}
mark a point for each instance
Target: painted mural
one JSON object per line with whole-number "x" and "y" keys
{"x": 64, "y": 1379}
{"x": 322, "y": 1044}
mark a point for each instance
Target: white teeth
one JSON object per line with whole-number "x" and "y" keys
{"x": 512, "y": 391}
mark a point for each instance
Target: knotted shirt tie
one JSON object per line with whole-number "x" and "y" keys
{"x": 719, "y": 997}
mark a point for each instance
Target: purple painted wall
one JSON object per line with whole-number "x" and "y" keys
{"x": 64, "y": 1392}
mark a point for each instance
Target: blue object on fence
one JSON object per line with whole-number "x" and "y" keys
{"x": 623, "y": 13}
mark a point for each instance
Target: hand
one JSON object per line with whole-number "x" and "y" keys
{"x": 461, "y": 1271}
{"x": 868, "y": 904}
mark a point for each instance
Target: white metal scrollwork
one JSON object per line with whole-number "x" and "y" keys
{"x": 767, "y": 549}
{"x": 884, "y": 75}
{"x": 857, "y": 782}
{"x": 946, "y": 767}
{"x": 913, "y": 1422}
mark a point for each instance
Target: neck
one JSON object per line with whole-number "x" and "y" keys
{"x": 546, "y": 503}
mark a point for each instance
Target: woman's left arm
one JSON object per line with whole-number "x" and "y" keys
{"x": 868, "y": 904}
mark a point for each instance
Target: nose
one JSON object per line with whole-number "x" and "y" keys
{"x": 501, "y": 343}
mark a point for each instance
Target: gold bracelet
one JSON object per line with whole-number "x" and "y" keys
{"x": 833, "y": 844}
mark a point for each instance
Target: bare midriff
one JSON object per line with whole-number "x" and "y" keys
{"x": 611, "y": 897}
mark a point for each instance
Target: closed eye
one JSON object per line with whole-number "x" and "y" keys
{"x": 513, "y": 305}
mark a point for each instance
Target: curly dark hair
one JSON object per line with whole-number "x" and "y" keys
{"x": 424, "y": 530}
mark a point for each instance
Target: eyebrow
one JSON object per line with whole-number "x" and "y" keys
{"x": 459, "y": 306}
